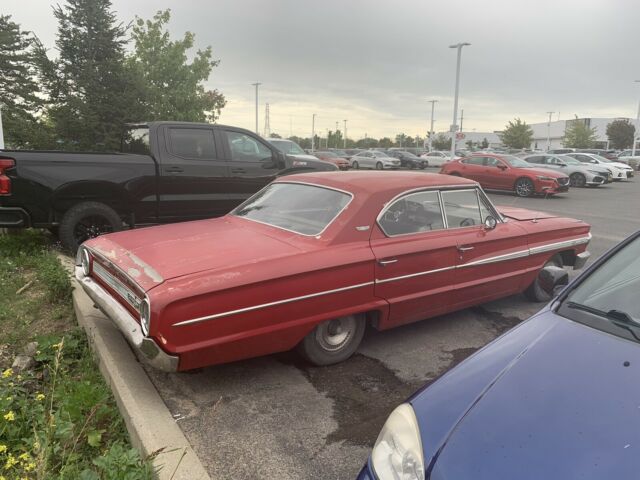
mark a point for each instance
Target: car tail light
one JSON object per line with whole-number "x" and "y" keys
{"x": 5, "y": 181}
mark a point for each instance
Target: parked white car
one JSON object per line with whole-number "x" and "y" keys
{"x": 374, "y": 159}
{"x": 437, "y": 158}
{"x": 580, "y": 174}
{"x": 619, "y": 170}
{"x": 632, "y": 160}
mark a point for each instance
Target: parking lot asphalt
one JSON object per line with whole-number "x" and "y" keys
{"x": 277, "y": 417}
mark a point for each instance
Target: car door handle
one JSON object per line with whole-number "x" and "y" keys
{"x": 465, "y": 248}
{"x": 382, "y": 263}
{"x": 238, "y": 170}
{"x": 173, "y": 170}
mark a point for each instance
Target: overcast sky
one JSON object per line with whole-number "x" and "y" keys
{"x": 377, "y": 62}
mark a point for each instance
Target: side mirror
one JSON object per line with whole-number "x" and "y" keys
{"x": 490, "y": 223}
{"x": 553, "y": 279}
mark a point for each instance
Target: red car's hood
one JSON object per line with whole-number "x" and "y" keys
{"x": 152, "y": 255}
{"x": 523, "y": 213}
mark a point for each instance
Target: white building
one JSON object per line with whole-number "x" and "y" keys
{"x": 477, "y": 138}
{"x": 555, "y": 131}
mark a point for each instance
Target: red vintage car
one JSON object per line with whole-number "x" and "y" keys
{"x": 506, "y": 172}
{"x": 312, "y": 258}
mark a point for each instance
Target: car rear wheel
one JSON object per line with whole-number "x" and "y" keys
{"x": 524, "y": 187}
{"x": 87, "y": 220}
{"x": 333, "y": 341}
{"x": 355, "y": 165}
{"x": 379, "y": 166}
{"x": 577, "y": 180}
{"x": 535, "y": 292}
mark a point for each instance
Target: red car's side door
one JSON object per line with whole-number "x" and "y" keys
{"x": 472, "y": 168}
{"x": 490, "y": 263}
{"x": 415, "y": 259}
{"x": 497, "y": 174}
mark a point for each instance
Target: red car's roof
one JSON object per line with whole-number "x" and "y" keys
{"x": 376, "y": 182}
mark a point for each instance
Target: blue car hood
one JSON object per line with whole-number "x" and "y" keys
{"x": 552, "y": 399}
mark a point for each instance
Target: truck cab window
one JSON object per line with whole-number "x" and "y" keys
{"x": 246, "y": 149}
{"x": 192, "y": 142}
{"x": 136, "y": 140}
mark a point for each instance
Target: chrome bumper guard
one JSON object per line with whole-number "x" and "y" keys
{"x": 149, "y": 350}
{"x": 581, "y": 259}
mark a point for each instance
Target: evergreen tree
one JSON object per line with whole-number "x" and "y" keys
{"x": 92, "y": 94}
{"x": 172, "y": 87}
{"x": 21, "y": 106}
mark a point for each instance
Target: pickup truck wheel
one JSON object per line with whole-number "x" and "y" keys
{"x": 87, "y": 220}
{"x": 534, "y": 292}
{"x": 333, "y": 341}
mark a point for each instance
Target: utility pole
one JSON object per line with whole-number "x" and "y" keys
{"x": 313, "y": 132}
{"x": 257, "y": 84}
{"x": 433, "y": 104}
{"x": 345, "y": 133}
{"x": 267, "y": 126}
{"x": 549, "y": 131}
{"x": 635, "y": 134}
{"x": 461, "y": 118}
{"x": 454, "y": 125}
{"x": 1, "y": 131}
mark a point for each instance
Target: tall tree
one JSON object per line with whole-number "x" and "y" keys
{"x": 92, "y": 94}
{"x": 517, "y": 134}
{"x": 173, "y": 88}
{"x": 21, "y": 105}
{"x": 441, "y": 142}
{"x": 385, "y": 142}
{"x": 578, "y": 134}
{"x": 620, "y": 133}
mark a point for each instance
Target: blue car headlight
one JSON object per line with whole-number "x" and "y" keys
{"x": 397, "y": 453}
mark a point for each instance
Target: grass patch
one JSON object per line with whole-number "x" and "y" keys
{"x": 59, "y": 421}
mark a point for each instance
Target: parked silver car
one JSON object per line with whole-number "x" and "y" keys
{"x": 374, "y": 159}
{"x": 580, "y": 174}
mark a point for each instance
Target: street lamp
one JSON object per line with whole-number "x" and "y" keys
{"x": 345, "y": 134}
{"x": 454, "y": 126}
{"x": 549, "y": 131}
{"x": 313, "y": 132}
{"x": 635, "y": 134}
{"x": 433, "y": 104}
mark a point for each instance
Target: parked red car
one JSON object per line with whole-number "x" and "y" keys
{"x": 311, "y": 259}
{"x": 332, "y": 157}
{"x": 506, "y": 172}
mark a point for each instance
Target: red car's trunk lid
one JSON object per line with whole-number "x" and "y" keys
{"x": 149, "y": 256}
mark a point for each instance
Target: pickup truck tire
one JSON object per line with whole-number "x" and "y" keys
{"x": 333, "y": 341}
{"x": 87, "y": 220}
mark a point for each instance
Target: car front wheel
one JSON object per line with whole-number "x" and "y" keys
{"x": 354, "y": 165}
{"x": 379, "y": 166}
{"x": 577, "y": 180}
{"x": 524, "y": 187}
{"x": 333, "y": 341}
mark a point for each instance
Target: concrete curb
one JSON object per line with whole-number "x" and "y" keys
{"x": 149, "y": 422}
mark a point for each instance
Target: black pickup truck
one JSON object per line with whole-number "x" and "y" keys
{"x": 166, "y": 172}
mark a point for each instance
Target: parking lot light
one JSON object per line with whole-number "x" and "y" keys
{"x": 454, "y": 125}
{"x": 637, "y": 125}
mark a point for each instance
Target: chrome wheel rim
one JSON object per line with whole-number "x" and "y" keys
{"x": 333, "y": 335}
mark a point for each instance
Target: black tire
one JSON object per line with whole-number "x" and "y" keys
{"x": 577, "y": 180}
{"x": 524, "y": 187}
{"x": 379, "y": 166}
{"x": 355, "y": 165}
{"x": 333, "y": 341}
{"x": 87, "y": 220}
{"x": 534, "y": 292}
{"x": 424, "y": 165}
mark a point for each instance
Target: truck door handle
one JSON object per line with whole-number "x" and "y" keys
{"x": 382, "y": 263}
{"x": 173, "y": 170}
{"x": 238, "y": 170}
{"x": 465, "y": 248}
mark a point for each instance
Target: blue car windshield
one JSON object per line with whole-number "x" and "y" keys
{"x": 611, "y": 290}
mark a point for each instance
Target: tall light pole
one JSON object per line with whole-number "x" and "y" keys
{"x": 257, "y": 84}
{"x": 433, "y": 104}
{"x": 549, "y": 131}
{"x": 345, "y": 133}
{"x": 313, "y": 132}
{"x": 635, "y": 134}
{"x": 454, "y": 126}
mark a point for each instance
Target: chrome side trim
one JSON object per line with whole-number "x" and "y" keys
{"x": 270, "y": 304}
{"x": 554, "y": 246}
{"x": 411, "y": 275}
{"x": 498, "y": 258}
